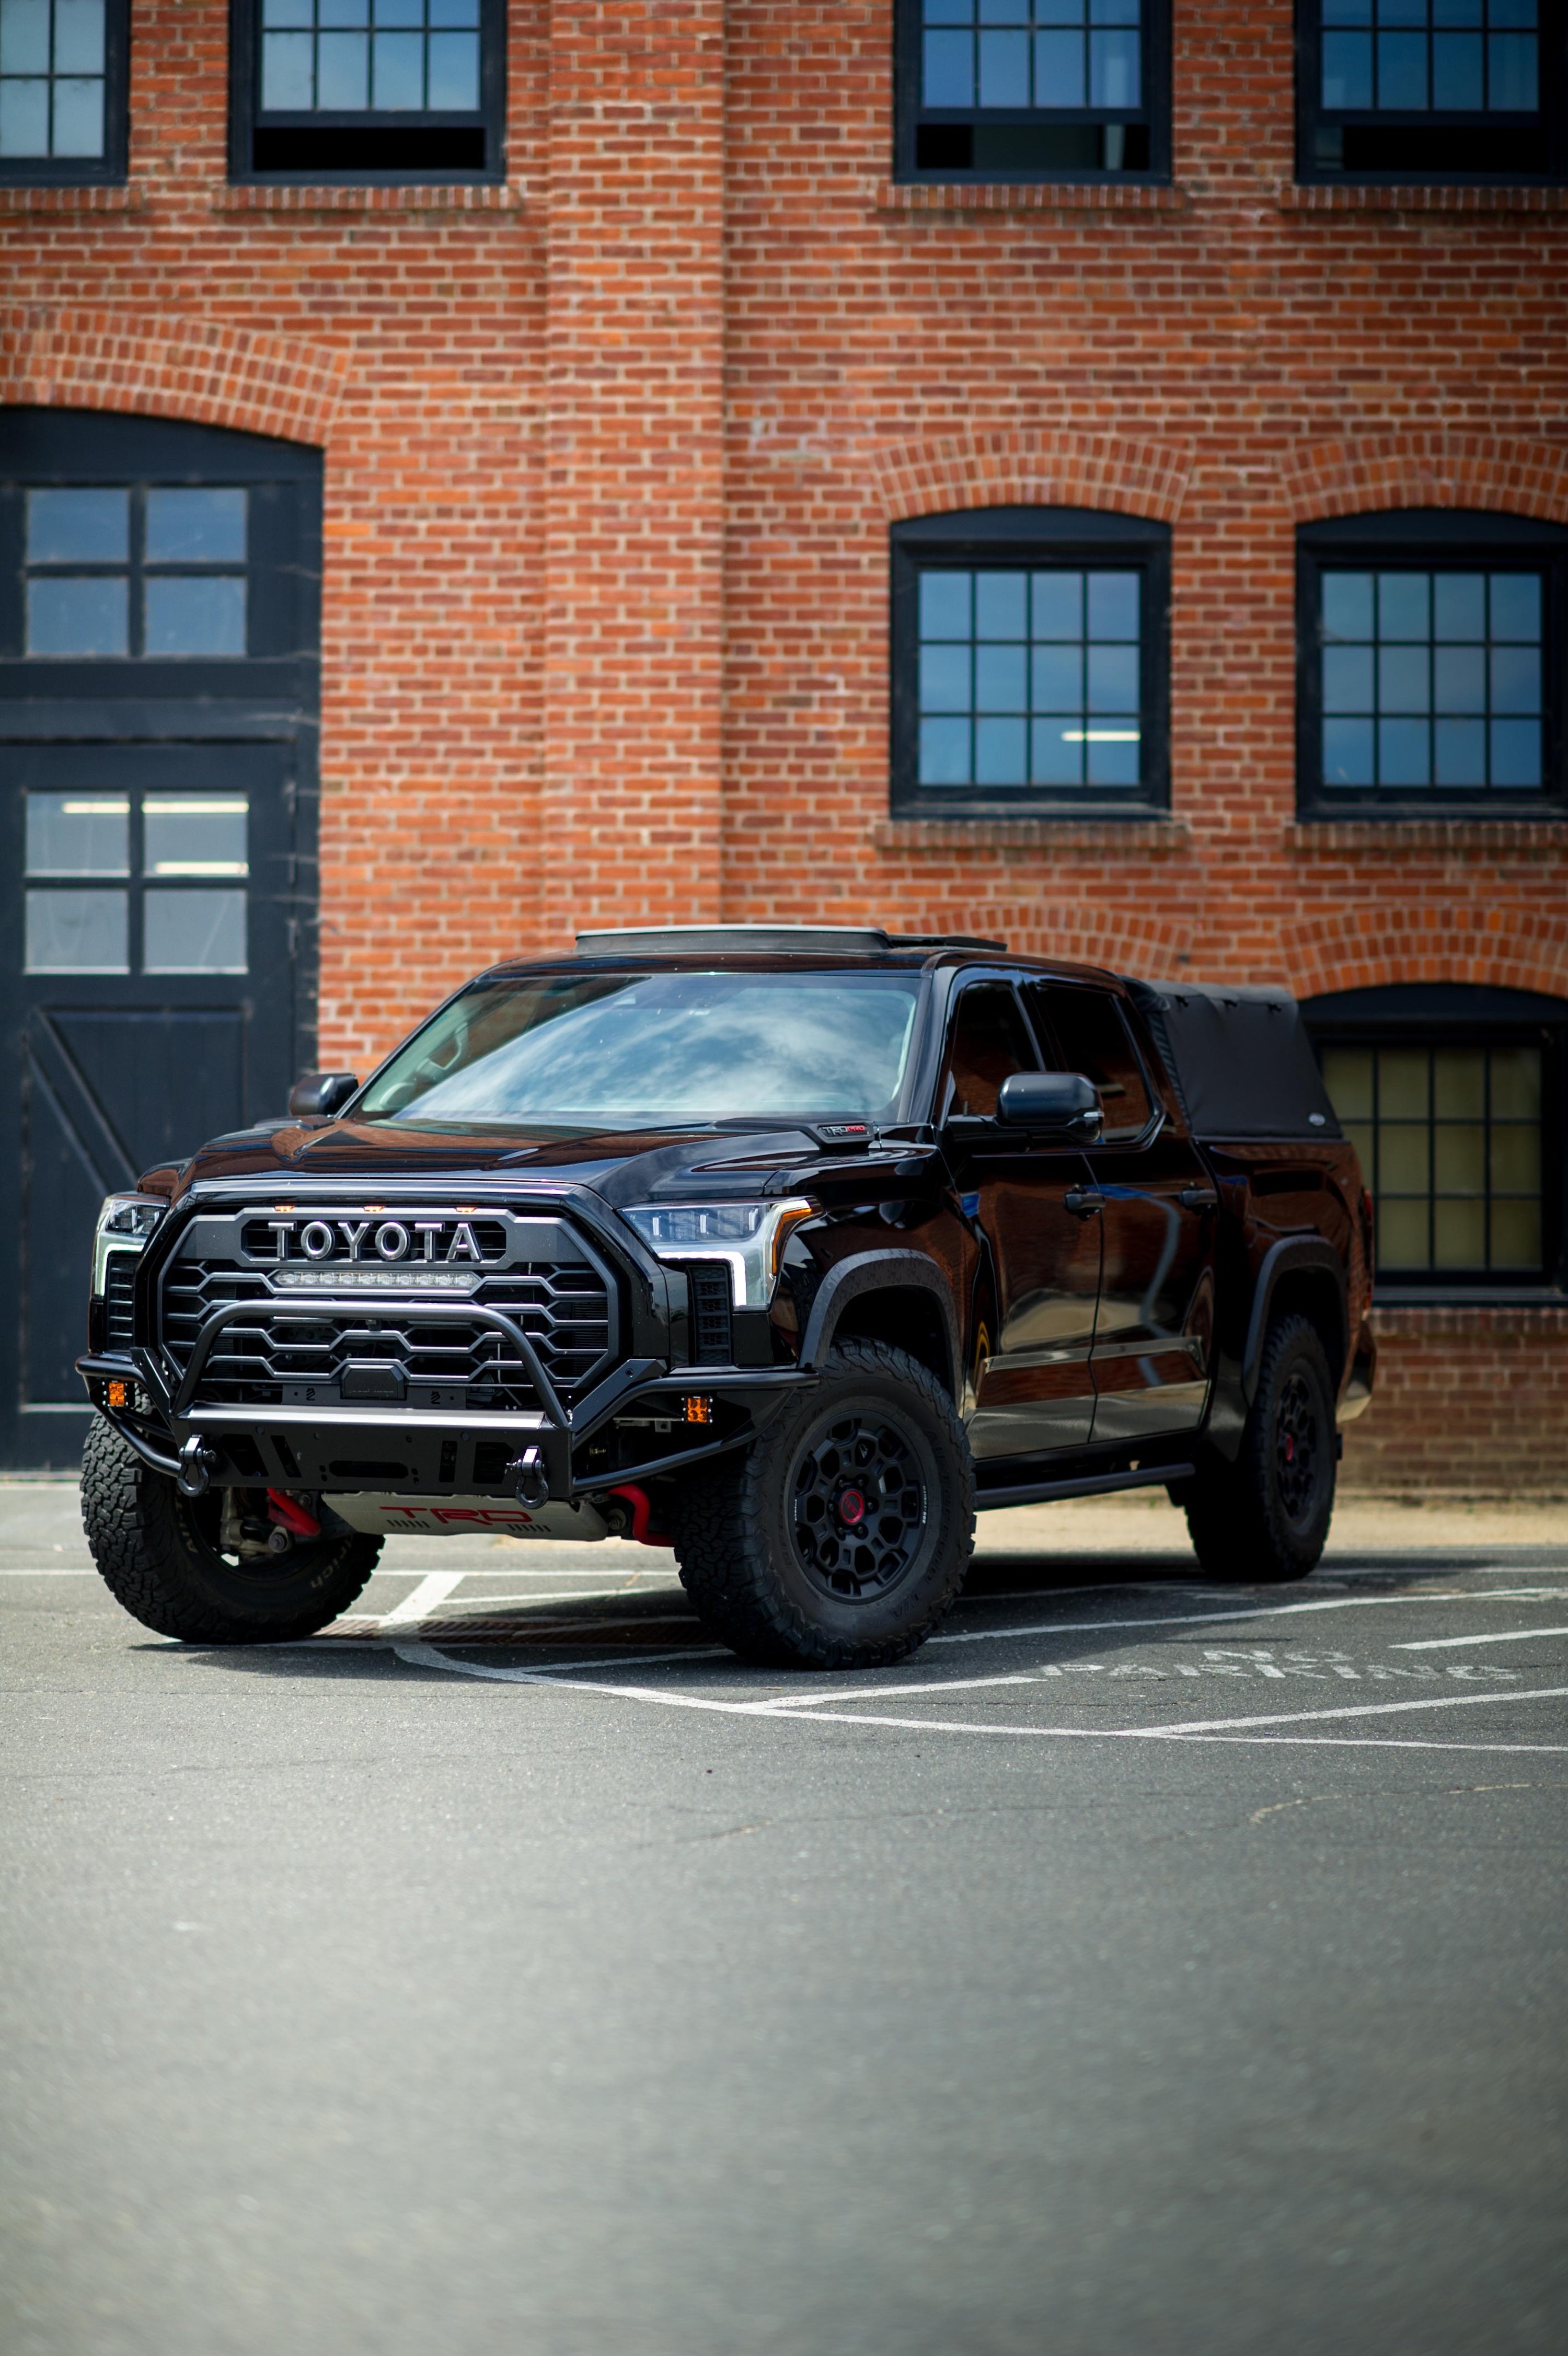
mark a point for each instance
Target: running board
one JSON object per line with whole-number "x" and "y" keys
{"x": 1093, "y": 1484}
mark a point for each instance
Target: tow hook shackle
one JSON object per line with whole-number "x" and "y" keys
{"x": 530, "y": 1481}
{"x": 198, "y": 1463}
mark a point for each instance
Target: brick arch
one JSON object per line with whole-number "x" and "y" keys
{"x": 1436, "y": 469}
{"x": 206, "y": 374}
{"x": 1020, "y": 469}
{"x": 1118, "y": 937}
{"x": 1500, "y": 948}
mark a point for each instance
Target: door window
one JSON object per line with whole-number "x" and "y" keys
{"x": 1082, "y": 1030}
{"x": 181, "y": 907}
{"x": 990, "y": 1042}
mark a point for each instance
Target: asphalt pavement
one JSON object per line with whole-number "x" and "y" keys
{"x": 1148, "y": 1965}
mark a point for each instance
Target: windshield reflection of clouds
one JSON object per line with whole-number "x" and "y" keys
{"x": 673, "y": 1047}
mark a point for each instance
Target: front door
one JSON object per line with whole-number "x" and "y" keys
{"x": 151, "y": 1006}
{"x": 1157, "y": 1214}
{"x": 1039, "y": 1267}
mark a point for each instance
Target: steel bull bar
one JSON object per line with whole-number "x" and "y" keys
{"x": 300, "y": 1445}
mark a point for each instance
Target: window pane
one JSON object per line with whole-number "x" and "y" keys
{"x": 1516, "y": 1159}
{"x": 1516, "y": 605}
{"x": 1111, "y": 756}
{"x": 196, "y": 527}
{"x": 1457, "y": 71}
{"x": 1516, "y": 1235}
{"x": 79, "y": 834}
{"x": 1516, "y": 678}
{"x": 1055, "y": 751}
{"x": 1001, "y": 605}
{"x": 342, "y": 71}
{"x": 1458, "y": 1234}
{"x": 276, "y": 12}
{"x": 77, "y": 932}
{"x": 949, "y": 69}
{"x": 1003, "y": 70}
{"x": 1516, "y": 1082}
{"x": 1347, "y": 758}
{"x": 1401, "y": 12}
{"x": 1403, "y": 1232}
{"x": 1403, "y": 679}
{"x": 454, "y": 72}
{"x": 1348, "y": 606}
{"x": 1460, "y": 606}
{"x": 1112, "y": 11}
{"x": 1000, "y": 683}
{"x": 193, "y": 932}
{"x": 453, "y": 12}
{"x": 1346, "y": 69}
{"x": 1000, "y": 755}
{"x": 76, "y": 617}
{"x": 1402, "y": 70}
{"x": 286, "y": 60}
{"x": 1056, "y": 605}
{"x": 77, "y": 118}
{"x": 1058, "y": 70}
{"x": 1058, "y": 678}
{"x": 1461, "y": 752}
{"x": 79, "y": 37}
{"x": 79, "y": 527}
{"x": 1402, "y": 1083}
{"x": 404, "y": 13}
{"x": 200, "y": 615}
{"x": 398, "y": 77}
{"x": 947, "y": 12}
{"x": 1004, "y": 12}
{"x": 944, "y": 678}
{"x": 1403, "y": 605}
{"x": 1459, "y": 681}
{"x": 1459, "y": 1083}
{"x": 945, "y": 605}
{"x": 342, "y": 11}
{"x": 1348, "y": 1077}
{"x": 1404, "y": 753}
{"x": 1512, "y": 73}
{"x": 1404, "y": 1157}
{"x": 1516, "y": 753}
{"x": 1112, "y": 605}
{"x": 1113, "y": 679}
{"x": 944, "y": 752}
{"x": 1347, "y": 679}
{"x": 1113, "y": 69}
{"x": 24, "y": 118}
{"x": 194, "y": 834}
{"x": 23, "y": 37}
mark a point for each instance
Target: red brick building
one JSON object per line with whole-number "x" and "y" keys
{"x": 1097, "y": 476}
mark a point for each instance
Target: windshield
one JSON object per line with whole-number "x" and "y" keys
{"x": 646, "y": 1051}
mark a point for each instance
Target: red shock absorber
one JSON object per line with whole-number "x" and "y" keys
{"x": 291, "y": 1515}
{"x": 641, "y": 1515}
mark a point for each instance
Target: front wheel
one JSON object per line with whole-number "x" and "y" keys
{"x": 159, "y": 1555}
{"x": 1266, "y": 1517}
{"x": 842, "y": 1537}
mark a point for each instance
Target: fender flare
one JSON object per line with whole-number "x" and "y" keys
{"x": 1290, "y": 1254}
{"x": 879, "y": 1271}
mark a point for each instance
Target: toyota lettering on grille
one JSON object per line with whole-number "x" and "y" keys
{"x": 409, "y": 1253}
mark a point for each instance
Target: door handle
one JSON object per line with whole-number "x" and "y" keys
{"x": 1198, "y": 1198}
{"x": 1083, "y": 1203}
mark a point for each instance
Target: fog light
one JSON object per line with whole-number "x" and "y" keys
{"x": 119, "y": 1393}
{"x": 699, "y": 1408}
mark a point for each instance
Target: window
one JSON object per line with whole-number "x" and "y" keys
{"x": 989, "y": 1042}
{"x": 1430, "y": 89}
{"x": 1453, "y": 1099}
{"x": 62, "y": 89}
{"x": 1032, "y": 89}
{"x": 1431, "y": 662}
{"x": 1082, "y": 1030}
{"x": 171, "y": 912}
{"x": 1029, "y": 662}
{"x": 116, "y": 571}
{"x": 369, "y": 90}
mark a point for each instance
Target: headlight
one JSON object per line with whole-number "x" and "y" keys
{"x": 124, "y": 1225}
{"x": 749, "y": 1236}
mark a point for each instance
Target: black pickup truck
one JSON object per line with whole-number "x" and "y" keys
{"x": 788, "y": 1248}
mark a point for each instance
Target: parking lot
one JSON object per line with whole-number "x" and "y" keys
{"x": 1146, "y": 1963}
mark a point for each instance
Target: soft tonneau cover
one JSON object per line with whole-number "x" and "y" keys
{"x": 1240, "y": 1058}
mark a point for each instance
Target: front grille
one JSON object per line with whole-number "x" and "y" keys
{"x": 119, "y": 1286}
{"x": 708, "y": 1295}
{"x": 295, "y": 1350}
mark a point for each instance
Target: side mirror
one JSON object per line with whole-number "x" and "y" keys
{"x": 321, "y": 1092}
{"x": 1053, "y": 1104}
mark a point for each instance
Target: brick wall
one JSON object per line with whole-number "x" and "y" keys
{"x": 612, "y": 452}
{"x": 1468, "y": 1399}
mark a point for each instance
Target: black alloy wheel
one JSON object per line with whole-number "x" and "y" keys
{"x": 1297, "y": 1442}
{"x": 862, "y": 1489}
{"x": 1265, "y": 1516}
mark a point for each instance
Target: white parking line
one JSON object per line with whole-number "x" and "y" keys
{"x": 1497, "y": 1636}
{"x": 420, "y": 1600}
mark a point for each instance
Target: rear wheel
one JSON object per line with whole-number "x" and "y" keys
{"x": 1266, "y": 1517}
{"x": 843, "y": 1534}
{"x": 159, "y": 1555}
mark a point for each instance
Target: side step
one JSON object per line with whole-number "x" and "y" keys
{"x": 1092, "y": 1485}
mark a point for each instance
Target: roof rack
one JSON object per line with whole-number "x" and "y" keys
{"x": 812, "y": 940}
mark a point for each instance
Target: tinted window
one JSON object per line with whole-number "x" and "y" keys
{"x": 1082, "y": 1030}
{"x": 989, "y": 1042}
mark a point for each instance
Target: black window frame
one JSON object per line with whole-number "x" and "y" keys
{"x": 909, "y": 115}
{"x": 1433, "y": 539}
{"x": 110, "y": 169}
{"x": 1406, "y": 167}
{"x": 375, "y": 133}
{"x": 1461, "y": 1014}
{"x": 1004, "y": 539}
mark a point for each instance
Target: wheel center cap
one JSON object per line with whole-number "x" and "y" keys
{"x": 851, "y": 1506}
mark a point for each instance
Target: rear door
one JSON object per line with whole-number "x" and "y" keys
{"x": 1158, "y": 1218}
{"x": 149, "y": 998}
{"x": 1039, "y": 1279}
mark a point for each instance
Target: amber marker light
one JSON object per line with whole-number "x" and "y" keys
{"x": 699, "y": 1408}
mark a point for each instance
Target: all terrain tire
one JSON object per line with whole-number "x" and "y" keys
{"x": 841, "y": 1535}
{"x": 158, "y": 1554}
{"x": 1265, "y": 1517}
